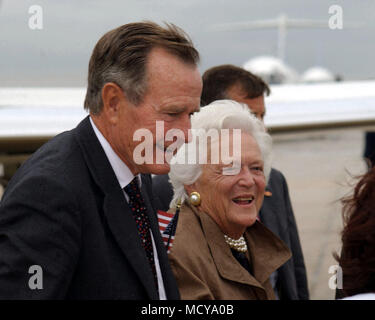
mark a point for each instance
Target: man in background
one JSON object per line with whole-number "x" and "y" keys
{"x": 231, "y": 82}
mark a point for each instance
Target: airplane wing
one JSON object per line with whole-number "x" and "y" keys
{"x": 296, "y": 107}
{"x": 29, "y": 116}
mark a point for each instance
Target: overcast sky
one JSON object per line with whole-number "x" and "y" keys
{"x": 58, "y": 54}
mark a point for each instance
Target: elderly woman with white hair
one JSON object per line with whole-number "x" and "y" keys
{"x": 221, "y": 250}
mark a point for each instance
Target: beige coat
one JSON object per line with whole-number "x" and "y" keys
{"x": 205, "y": 268}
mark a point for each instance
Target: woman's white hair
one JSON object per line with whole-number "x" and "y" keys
{"x": 220, "y": 114}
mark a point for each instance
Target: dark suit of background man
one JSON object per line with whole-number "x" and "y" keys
{"x": 231, "y": 82}
{"x": 69, "y": 208}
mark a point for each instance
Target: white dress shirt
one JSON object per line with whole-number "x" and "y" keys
{"x": 361, "y": 296}
{"x": 124, "y": 177}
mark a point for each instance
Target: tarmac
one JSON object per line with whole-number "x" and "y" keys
{"x": 320, "y": 168}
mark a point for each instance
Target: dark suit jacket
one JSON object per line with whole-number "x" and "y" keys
{"x": 276, "y": 214}
{"x": 65, "y": 211}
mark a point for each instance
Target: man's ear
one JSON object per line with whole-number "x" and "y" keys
{"x": 113, "y": 97}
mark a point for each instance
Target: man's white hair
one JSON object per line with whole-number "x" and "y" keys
{"x": 220, "y": 114}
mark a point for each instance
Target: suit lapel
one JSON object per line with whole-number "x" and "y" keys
{"x": 267, "y": 251}
{"x": 116, "y": 209}
{"x": 268, "y": 213}
{"x": 123, "y": 227}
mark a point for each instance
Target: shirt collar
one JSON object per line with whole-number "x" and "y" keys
{"x": 122, "y": 172}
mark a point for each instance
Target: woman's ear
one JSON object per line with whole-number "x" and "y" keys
{"x": 190, "y": 188}
{"x": 193, "y": 194}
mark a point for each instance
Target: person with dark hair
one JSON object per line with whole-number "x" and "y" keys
{"x": 369, "y": 158}
{"x": 358, "y": 241}
{"x": 369, "y": 152}
{"x": 77, "y": 219}
{"x": 228, "y": 81}
{"x": 232, "y": 82}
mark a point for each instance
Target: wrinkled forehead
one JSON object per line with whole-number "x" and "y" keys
{"x": 228, "y": 146}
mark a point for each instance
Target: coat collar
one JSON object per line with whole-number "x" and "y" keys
{"x": 123, "y": 173}
{"x": 117, "y": 211}
{"x": 267, "y": 252}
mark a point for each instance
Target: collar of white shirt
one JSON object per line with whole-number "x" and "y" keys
{"x": 122, "y": 172}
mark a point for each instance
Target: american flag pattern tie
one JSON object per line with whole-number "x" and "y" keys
{"x": 140, "y": 216}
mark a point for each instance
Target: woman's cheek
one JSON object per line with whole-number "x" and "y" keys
{"x": 261, "y": 184}
{"x": 259, "y": 202}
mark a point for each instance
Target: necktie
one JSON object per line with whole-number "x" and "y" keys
{"x": 139, "y": 211}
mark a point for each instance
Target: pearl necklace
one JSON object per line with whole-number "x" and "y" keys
{"x": 239, "y": 244}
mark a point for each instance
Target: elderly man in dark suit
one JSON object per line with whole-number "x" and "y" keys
{"x": 76, "y": 220}
{"x": 231, "y": 82}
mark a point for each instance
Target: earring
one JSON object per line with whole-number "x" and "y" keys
{"x": 195, "y": 198}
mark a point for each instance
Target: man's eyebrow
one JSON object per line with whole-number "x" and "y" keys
{"x": 178, "y": 109}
